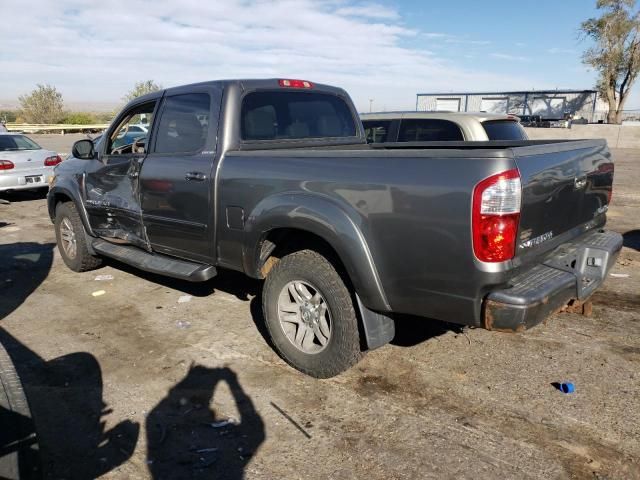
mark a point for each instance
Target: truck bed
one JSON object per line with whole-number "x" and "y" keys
{"x": 414, "y": 217}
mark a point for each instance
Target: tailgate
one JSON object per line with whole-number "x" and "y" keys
{"x": 566, "y": 189}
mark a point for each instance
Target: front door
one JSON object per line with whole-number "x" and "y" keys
{"x": 112, "y": 186}
{"x": 176, "y": 180}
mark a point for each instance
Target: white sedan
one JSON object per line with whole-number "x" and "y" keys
{"x": 24, "y": 164}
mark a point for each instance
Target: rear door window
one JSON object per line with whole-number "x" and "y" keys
{"x": 184, "y": 124}
{"x": 429, "y": 130}
{"x": 272, "y": 115}
{"x": 377, "y": 131}
{"x": 504, "y": 130}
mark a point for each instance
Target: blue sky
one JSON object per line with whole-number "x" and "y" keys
{"x": 385, "y": 50}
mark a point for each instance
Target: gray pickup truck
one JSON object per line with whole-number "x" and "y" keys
{"x": 274, "y": 178}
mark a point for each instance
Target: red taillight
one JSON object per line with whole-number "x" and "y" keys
{"x": 496, "y": 216}
{"x": 295, "y": 83}
{"x": 52, "y": 161}
{"x": 6, "y": 165}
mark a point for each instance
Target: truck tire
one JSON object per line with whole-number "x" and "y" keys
{"x": 72, "y": 241}
{"x": 20, "y": 458}
{"x": 310, "y": 315}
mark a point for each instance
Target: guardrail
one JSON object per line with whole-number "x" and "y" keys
{"x": 58, "y": 127}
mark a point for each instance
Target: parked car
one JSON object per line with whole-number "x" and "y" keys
{"x": 530, "y": 120}
{"x": 440, "y": 127}
{"x": 279, "y": 183}
{"x": 23, "y": 163}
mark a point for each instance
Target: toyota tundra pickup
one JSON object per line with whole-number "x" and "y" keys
{"x": 274, "y": 178}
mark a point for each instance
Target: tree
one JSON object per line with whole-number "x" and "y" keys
{"x": 8, "y": 116}
{"x": 142, "y": 88}
{"x": 79, "y": 118}
{"x": 42, "y": 105}
{"x": 615, "y": 54}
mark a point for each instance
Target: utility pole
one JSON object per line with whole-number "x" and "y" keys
{"x": 370, "y": 105}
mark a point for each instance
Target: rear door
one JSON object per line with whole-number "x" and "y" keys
{"x": 177, "y": 178}
{"x": 112, "y": 187}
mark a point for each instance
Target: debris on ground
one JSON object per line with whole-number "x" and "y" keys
{"x": 224, "y": 423}
{"x": 184, "y": 298}
{"x": 565, "y": 387}
{"x": 102, "y": 278}
{"x": 183, "y": 324}
{"x": 98, "y": 293}
{"x": 619, "y": 275}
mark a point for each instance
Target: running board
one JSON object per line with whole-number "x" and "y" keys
{"x": 154, "y": 262}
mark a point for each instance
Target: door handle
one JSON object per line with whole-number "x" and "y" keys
{"x": 195, "y": 176}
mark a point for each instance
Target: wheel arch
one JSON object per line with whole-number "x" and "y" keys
{"x": 283, "y": 222}
{"x": 61, "y": 194}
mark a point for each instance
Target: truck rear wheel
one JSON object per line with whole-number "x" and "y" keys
{"x": 72, "y": 242}
{"x": 310, "y": 315}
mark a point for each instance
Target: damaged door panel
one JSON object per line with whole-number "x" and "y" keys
{"x": 112, "y": 190}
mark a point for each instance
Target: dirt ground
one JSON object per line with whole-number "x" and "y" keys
{"x": 134, "y": 382}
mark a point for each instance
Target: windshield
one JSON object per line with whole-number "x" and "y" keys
{"x": 504, "y": 130}
{"x": 295, "y": 115}
{"x": 17, "y": 142}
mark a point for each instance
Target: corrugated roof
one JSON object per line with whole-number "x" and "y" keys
{"x": 519, "y": 92}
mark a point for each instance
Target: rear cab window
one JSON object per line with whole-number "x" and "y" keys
{"x": 432, "y": 130}
{"x": 275, "y": 115}
{"x": 504, "y": 130}
{"x": 377, "y": 131}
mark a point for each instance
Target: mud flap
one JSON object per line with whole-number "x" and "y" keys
{"x": 378, "y": 329}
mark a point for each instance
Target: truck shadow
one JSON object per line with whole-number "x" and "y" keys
{"x": 23, "y": 267}
{"x": 412, "y": 330}
{"x": 631, "y": 239}
{"x": 68, "y": 414}
{"x": 25, "y": 195}
{"x": 233, "y": 283}
{"x": 188, "y": 439}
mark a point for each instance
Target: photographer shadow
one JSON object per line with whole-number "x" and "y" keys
{"x": 187, "y": 439}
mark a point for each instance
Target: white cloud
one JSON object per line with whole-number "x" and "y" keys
{"x": 566, "y": 51}
{"x": 505, "y": 56}
{"x": 96, "y": 51}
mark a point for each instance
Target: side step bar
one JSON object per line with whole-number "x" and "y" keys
{"x": 154, "y": 262}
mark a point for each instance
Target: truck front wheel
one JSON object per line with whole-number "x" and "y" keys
{"x": 310, "y": 315}
{"x": 71, "y": 239}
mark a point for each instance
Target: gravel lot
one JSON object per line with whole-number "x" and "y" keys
{"x": 132, "y": 383}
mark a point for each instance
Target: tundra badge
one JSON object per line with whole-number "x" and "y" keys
{"x": 532, "y": 242}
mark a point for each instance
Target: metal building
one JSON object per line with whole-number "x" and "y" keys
{"x": 549, "y": 104}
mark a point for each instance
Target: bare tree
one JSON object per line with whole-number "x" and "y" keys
{"x": 616, "y": 51}
{"x": 142, "y": 88}
{"x": 42, "y": 105}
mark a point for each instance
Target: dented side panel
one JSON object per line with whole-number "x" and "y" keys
{"x": 113, "y": 201}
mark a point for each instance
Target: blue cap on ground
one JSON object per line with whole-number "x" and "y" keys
{"x": 567, "y": 387}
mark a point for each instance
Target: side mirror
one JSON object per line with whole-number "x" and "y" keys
{"x": 83, "y": 149}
